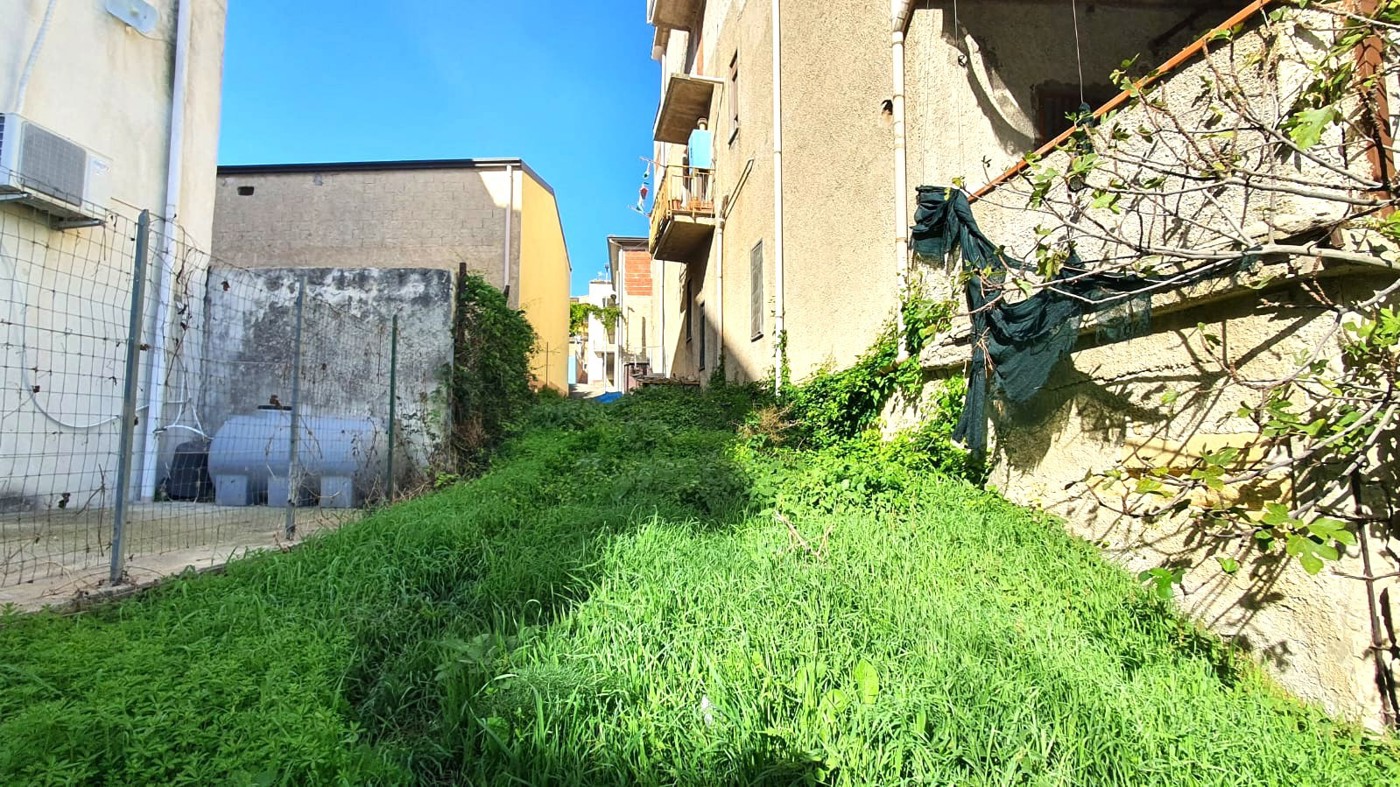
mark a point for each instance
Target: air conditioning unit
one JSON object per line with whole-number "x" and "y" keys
{"x": 52, "y": 174}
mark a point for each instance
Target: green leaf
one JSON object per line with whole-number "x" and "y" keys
{"x": 1277, "y": 515}
{"x": 1311, "y": 563}
{"x": 1228, "y": 565}
{"x": 867, "y": 682}
{"x": 1306, "y": 127}
{"x": 1148, "y": 486}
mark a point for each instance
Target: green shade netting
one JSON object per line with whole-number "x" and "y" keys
{"x": 1020, "y": 342}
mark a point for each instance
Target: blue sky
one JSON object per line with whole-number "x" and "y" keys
{"x": 567, "y": 86}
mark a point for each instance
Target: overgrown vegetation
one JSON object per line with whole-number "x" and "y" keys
{"x": 489, "y": 384}
{"x": 634, "y": 594}
{"x": 579, "y": 314}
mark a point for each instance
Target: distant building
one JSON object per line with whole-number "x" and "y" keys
{"x": 598, "y": 347}
{"x": 496, "y": 216}
{"x": 637, "y": 279}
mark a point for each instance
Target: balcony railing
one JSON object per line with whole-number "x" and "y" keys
{"x": 683, "y": 214}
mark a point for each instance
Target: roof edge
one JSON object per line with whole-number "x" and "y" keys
{"x": 383, "y": 166}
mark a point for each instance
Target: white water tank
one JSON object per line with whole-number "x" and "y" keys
{"x": 340, "y": 460}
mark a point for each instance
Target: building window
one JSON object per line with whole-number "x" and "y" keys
{"x": 704, "y": 332}
{"x": 734, "y": 98}
{"x": 1056, "y": 106}
{"x": 756, "y": 302}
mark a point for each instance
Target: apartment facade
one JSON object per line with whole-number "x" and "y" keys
{"x": 496, "y": 216}
{"x": 825, "y": 119}
{"x": 104, "y": 112}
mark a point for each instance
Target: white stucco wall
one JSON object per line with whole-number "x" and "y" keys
{"x": 107, "y": 87}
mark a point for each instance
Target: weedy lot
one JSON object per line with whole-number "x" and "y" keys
{"x": 616, "y": 602}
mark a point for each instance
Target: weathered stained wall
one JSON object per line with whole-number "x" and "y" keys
{"x": 346, "y": 328}
{"x": 544, "y": 283}
{"x": 104, "y": 86}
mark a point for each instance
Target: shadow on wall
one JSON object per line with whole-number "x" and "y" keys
{"x": 1025, "y": 93}
{"x": 1154, "y": 402}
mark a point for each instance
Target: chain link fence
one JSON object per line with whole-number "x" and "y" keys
{"x": 161, "y": 408}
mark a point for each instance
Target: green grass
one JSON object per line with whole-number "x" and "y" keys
{"x": 615, "y": 604}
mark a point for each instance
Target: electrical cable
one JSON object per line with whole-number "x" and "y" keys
{"x": 1078, "y": 56}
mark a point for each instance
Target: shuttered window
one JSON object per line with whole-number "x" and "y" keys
{"x": 756, "y": 301}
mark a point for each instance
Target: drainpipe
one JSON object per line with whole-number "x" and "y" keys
{"x": 900, "y": 12}
{"x": 505, "y": 247}
{"x": 23, "y": 86}
{"x": 155, "y": 390}
{"x": 719, "y": 299}
{"x": 779, "y": 303}
{"x": 662, "y": 368}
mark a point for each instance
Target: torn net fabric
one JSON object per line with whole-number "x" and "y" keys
{"x": 1021, "y": 342}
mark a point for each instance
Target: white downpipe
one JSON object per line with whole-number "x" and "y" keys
{"x": 22, "y": 87}
{"x": 660, "y": 269}
{"x": 510, "y": 221}
{"x": 719, "y": 296}
{"x": 900, "y": 11}
{"x": 155, "y": 390}
{"x": 780, "y": 306}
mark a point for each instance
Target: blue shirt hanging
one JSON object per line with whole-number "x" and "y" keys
{"x": 701, "y": 149}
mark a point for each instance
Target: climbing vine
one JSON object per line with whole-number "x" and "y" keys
{"x": 489, "y": 383}
{"x": 579, "y": 314}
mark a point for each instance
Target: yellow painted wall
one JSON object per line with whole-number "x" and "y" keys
{"x": 544, "y": 282}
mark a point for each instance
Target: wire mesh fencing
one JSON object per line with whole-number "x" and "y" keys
{"x": 162, "y": 408}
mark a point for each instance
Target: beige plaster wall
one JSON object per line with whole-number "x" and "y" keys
{"x": 838, "y": 168}
{"x": 544, "y": 284}
{"x": 106, "y": 87}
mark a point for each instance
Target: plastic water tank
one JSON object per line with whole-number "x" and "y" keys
{"x": 339, "y": 459}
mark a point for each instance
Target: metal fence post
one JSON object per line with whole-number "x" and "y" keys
{"x": 293, "y": 482}
{"x": 127, "y": 438}
{"x": 393, "y": 403}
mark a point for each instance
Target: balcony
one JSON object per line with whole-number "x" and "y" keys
{"x": 674, "y": 14}
{"x": 687, "y": 99}
{"x": 683, "y": 215}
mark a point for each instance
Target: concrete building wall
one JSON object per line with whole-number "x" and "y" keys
{"x": 842, "y": 267}
{"x": 599, "y": 345}
{"x": 838, "y": 172}
{"x": 544, "y": 283}
{"x": 409, "y": 215}
{"x": 732, "y": 33}
{"x": 107, "y": 87}
{"x": 389, "y": 218}
{"x": 637, "y": 298}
